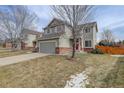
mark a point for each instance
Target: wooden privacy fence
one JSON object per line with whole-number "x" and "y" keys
{"x": 111, "y": 50}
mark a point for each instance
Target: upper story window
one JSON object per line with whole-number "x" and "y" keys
{"x": 48, "y": 31}
{"x": 55, "y": 29}
{"x": 87, "y": 30}
{"x": 88, "y": 43}
{"x": 59, "y": 28}
{"x": 52, "y": 30}
{"x": 25, "y": 36}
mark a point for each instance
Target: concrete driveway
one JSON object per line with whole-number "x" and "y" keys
{"x": 20, "y": 58}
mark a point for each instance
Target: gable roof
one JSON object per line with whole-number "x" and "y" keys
{"x": 63, "y": 23}
{"x": 89, "y": 25}
{"x": 59, "y": 21}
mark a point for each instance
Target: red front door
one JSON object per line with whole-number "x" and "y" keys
{"x": 77, "y": 44}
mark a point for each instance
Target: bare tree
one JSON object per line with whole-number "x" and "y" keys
{"x": 108, "y": 36}
{"x": 73, "y": 15}
{"x": 13, "y": 21}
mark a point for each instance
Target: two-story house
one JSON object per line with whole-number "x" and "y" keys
{"x": 28, "y": 40}
{"x": 57, "y": 38}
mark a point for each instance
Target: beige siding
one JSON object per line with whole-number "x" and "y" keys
{"x": 94, "y": 36}
{"x": 89, "y": 36}
{"x": 64, "y": 42}
{"x": 68, "y": 32}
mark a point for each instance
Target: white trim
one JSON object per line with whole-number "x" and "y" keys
{"x": 88, "y": 47}
{"x": 49, "y": 42}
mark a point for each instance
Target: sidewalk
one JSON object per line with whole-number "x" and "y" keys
{"x": 20, "y": 58}
{"x": 117, "y": 55}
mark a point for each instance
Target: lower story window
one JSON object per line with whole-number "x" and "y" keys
{"x": 88, "y": 43}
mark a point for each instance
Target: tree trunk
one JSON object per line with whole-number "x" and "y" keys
{"x": 73, "y": 51}
{"x": 74, "y": 41}
{"x": 13, "y": 47}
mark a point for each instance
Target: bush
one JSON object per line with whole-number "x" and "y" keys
{"x": 35, "y": 50}
{"x": 97, "y": 51}
{"x": 105, "y": 43}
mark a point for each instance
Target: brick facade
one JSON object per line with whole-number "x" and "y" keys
{"x": 62, "y": 50}
{"x": 23, "y": 46}
{"x": 8, "y": 45}
{"x": 87, "y": 49}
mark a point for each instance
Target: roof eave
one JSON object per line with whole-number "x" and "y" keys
{"x": 47, "y": 38}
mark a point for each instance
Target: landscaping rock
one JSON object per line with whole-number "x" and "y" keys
{"x": 77, "y": 81}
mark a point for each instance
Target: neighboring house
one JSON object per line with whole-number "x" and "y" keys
{"x": 28, "y": 41}
{"x": 57, "y": 38}
{"x": 7, "y": 44}
{"x": 29, "y": 38}
{"x": 1, "y": 42}
{"x": 119, "y": 45}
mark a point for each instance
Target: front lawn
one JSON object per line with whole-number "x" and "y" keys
{"x": 51, "y": 71}
{"x": 7, "y": 53}
{"x": 115, "y": 78}
{"x": 54, "y": 71}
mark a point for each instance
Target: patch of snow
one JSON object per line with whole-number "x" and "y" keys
{"x": 77, "y": 81}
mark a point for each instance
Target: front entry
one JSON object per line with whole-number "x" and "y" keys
{"x": 78, "y": 44}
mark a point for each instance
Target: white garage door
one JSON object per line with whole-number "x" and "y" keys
{"x": 47, "y": 47}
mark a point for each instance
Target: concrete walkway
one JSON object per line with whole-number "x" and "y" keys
{"x": 117, "y": 55}
{"x": 20, "y": 58}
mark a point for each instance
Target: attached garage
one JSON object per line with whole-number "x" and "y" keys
{"x": 47, "y": 47}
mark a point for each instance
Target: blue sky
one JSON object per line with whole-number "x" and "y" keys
{"x": 111, "y": 17}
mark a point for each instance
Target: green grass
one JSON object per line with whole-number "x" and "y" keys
{"x": 54, "y": 71}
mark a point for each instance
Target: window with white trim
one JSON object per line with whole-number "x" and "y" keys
{"x": 87, "y": 43}
{"x": 59, "y": 28}
{"x": 55, "y": 29}
{"x": 45, "y": 31}
{"x": 48, "y": 31}
{"x": 87, "y": 30}
{"x": 52, "y": 30}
